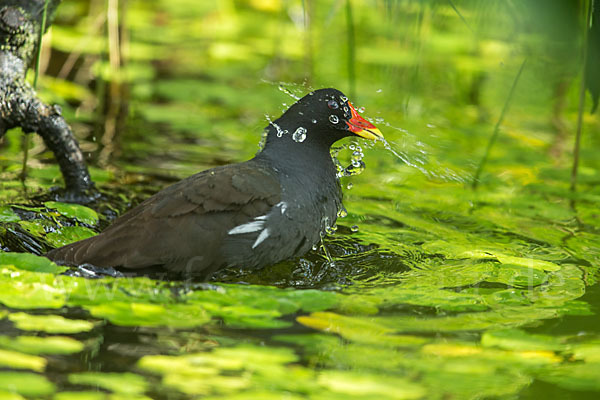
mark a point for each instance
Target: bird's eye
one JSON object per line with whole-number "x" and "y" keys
{"x": 333, "y": 104}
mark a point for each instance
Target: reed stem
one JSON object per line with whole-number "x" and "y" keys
{"x": 497, "y": 127}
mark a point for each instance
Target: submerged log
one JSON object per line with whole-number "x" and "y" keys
{"x": 20, "y": 25}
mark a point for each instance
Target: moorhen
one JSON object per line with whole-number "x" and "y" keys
{"x": 252, "y": 214}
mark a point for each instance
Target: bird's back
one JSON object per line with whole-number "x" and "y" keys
{"x": 183, "y": 226}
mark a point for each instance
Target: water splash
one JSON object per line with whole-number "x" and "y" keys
{"x": 263, "y": 139}
{"x": 420, "y": 161}
{"x": 299, "y": 135}
{"x": 288, "y": 91}
{"x": 356, "y": 166}
{"x": 293, "y": 89}
{"x": 416, "y": 154}
{"x": 411, "y": 151}
{"x": 280, "y": 132}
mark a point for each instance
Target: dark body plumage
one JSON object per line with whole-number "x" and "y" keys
{"x": 252, "y": 214}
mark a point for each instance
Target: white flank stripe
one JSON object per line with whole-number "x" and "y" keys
{"x": 261, "y": 238}
{"x": 283, "y": 206}
{"x": 247, "y": 228}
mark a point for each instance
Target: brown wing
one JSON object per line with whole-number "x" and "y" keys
{"x": 186, "y": 221}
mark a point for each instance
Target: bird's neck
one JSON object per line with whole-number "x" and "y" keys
{"x": 290, "y": 155}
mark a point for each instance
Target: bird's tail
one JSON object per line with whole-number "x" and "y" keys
{"x": 71, "y": 254}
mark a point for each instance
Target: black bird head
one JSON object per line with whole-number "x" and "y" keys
{"x": 322, "y": 117}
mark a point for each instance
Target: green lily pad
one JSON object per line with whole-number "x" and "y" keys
{"x": 263, "y": 394}
{"x": 80, "y": 396}
{"x": 34, "y": 290}
{"x": 147, "y": 314}
{"x": 518, "y": 276}
{"x": 4, "y": 395}
{"x": 589, "y": 352}
{"x": 259, "y": 307}
{"x": 516, "y": 339}
{"x": 528, "y": 262}
{"x": 122, "y": 383}
{"x": 28, "y": 208}
{"x": 17, "y": 360}
{"x": 88, "y": 395}
{"x": 365, "y": 330}
{"x": 269, "y": 298}
{"x": 25, "y": 383}
{"x": 30, "y": 262}
{"x": 49, "y": 323}
{"x": 365, "y": 385}
{"x": 42, "y": 345}
{"x": 8, "y": 215}
{"x": 224, "y": 370}
{"x": 458, "y": 250}
{"x": 69, "y": 234}
{"x": 77, "y": 211}
{"x": 34, "y": 227}
{"x": 574, "y": 376}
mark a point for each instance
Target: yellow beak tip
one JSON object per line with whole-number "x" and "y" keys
{"x": 371, "y": 134}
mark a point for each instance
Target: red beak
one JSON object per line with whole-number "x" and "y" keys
{"x": 362, "y": 127}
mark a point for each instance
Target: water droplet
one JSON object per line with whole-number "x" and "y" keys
{"x": 349, "y": 186}
{"x": 315, "y": 247}
{"x": 299, "y": 135}
{"x": 314, "y": 121}
{"x": 334, "y": 119}
{"x": 379, "y": 120}
{"x": 331, "y": 229}
{"x": 280, "y": 132}
{"x": 378, "y": 91}
{"x": 342, "y": 213}
{"x": 345, "y": 109}
{"x": 354, "y": 228}
{"x": 288, "y": 91}
{"x": 355, "y": 168}
{"x": 352, "y": 147}
{"x": 344, "y": 99}
{"x": 361, "y": 109}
